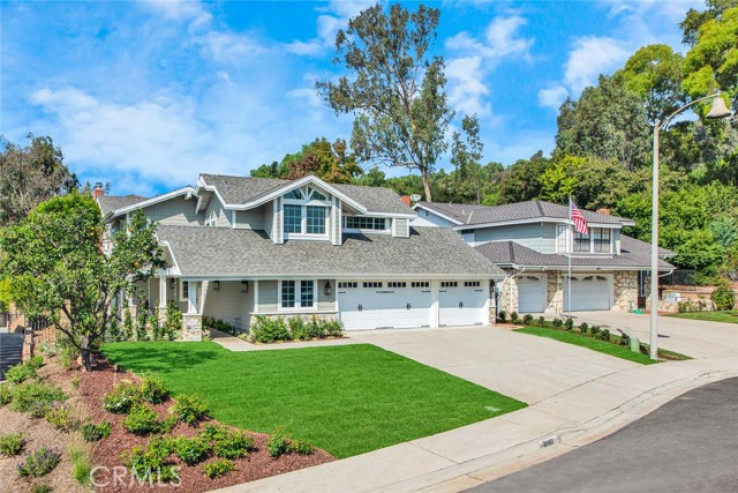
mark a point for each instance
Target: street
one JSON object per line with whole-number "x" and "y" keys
{"x": 689, "y": 444}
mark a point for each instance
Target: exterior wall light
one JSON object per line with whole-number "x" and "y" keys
{"x": 328, "y": 289}
{"x": 216, "y": 285}
{"x": 244, "y": 286}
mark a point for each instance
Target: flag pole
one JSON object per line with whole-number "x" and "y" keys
{"x": 570, "y": 249}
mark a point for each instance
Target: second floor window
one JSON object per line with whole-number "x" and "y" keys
{"x": 581, "y": 242}
{"x": 292, "y": 219}
{"x": 361, "y": 222}
{"x": 601, "y": 240}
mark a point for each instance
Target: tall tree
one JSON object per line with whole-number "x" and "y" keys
{"x": 329, "y": 162}
{"x": 522, "y": 180}
{"x": 466, "y": 154}
{"x": 396, "y": 90}
{"x": 695, "y": 18}
{"x": 55, "y": 265}
{"x": 30, "y": 175}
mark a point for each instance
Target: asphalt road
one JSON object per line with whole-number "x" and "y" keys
{"x": 689, "y": 444}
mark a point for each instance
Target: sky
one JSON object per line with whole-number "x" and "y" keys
{"x": 147, "y": 94}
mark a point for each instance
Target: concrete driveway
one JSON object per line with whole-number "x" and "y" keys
{"x": 694, "y": 338}
{"x": 525, "y": 367}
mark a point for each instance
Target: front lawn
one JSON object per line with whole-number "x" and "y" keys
{"x": 726, "y": 316}
{"x": 346, "y": 400}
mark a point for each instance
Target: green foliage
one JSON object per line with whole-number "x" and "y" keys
{"x": 191, "y": 450}
{"x": 297, "y": 329}
{"x": 527, "y": 319}
{"x": 302, "y": 447}
{"x": 42, "y": 488}
{"x": 502, "y": 316}
{"x": 81, "y": 464}
{"x": 605, "y": 335}
{"x": 128, "y": 325}
{"x": 278, "y": 443}
{"x": 569, "y": 324}
{"x": 584, "y": 328}
{"x": 35, "y": 397}
{"x": 541, "y": 321}
{"x": 191, "y": 409}
{"x": 723, "y": 297}
{"x": 173, "y": 321}
{"x": 522, "y": 180}
{"x": 6, "y": 394}
{"x": 220, "y": 467}
{"x": 514, "y": 317}
{"x": 92, "y": 432}
{"x": 152, "y": 461}
{"x": 39, "y": 463}
{"x": 62, "y": 417}
{"x": 11, "y": 444}
{"x": 156, "y": 330}
{"x": 141, "y": 319}
{"x": 20, "y": 373}
{"x": 557, "y": 323}
{"x": 229, "y": 444}
{"x": 152, "y": 390}
{"x": 141, "y": 420}
{"x": 267, "y": 330}
{"x": 123, "y": 396}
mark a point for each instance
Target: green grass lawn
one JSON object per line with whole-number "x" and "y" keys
{"x": 727, "y": 316}
{"x": 346, "y": 400}
{"x": 590, "y": 343}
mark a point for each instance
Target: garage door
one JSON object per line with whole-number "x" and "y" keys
{"x": 382, "y": 304}
{"x": 462, "y": 303}
{"x": 531, "y": 294}
{"x": 588, "y": 293}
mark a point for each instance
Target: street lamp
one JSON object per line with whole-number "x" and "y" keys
{"x": 717, "y": 110}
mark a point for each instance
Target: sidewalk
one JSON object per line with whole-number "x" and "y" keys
{"x": 471, "y": 455}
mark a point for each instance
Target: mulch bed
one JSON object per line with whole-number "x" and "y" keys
{"x": 258, "y": 464}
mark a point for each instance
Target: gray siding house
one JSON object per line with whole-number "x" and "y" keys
{"x": 240, "y": 247}
{"x": 533, "y": 242}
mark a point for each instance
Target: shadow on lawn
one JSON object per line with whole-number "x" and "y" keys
{"x": 161, "y": 358}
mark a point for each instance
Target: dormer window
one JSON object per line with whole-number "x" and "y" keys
{"x": 294, "y": 194}
{"x": 304, "y": 213}
{"x": 212, "y": 220}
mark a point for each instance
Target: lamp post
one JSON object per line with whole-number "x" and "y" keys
{"x": 718, "y": 110}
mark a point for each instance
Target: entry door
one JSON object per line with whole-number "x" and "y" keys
{"x": 379, "y": 304}
{"x": 462, "y": 303}
{"x": 531, "y": 294}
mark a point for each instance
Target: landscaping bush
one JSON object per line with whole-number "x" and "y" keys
{"x": 301, "y": 447}
{"x": 228, "y": 444}
{"x": 42, "y": 488}
{"x": 584, "y": 328}
{"x": 218, "y": 468}
{"x": 278, "y": 443}
{"x": 173, "y": 321}
{"x": 167, "y": 424}
{"x": 35, "y": 362}
{"x": 557, "y": 323}
{"x": 191, "y": 450}
{"x": 141, "y": 319}
{"x": 605, "y": 335}
{"x": 528, "y": 319}
{"x": 123, "y": 396}
{"x": 316, "y": 328}
{"x": 220, "y": 325}
{"x": 6, "y": 394}
{"x": 40, "y": 462}
{"x": 502, "y": 316}
{"x": 541, "y": 321}
{"x": 92, "y": 432}
{"x": 128, "y": 325}
{"x": 141, "y": 420}
{"x": 152, "y": 459}
{"x": 191, "y": 409}
{"x": 21, "y": 372}
{"x": 11, "y": 444}
{"x": 267, "y": 330}
{"x": 514, "y": 318}
{"x": 297, "y": 328}
{"x": 595, "y": 329}
{"x": 334, "y": 328}
{"x": 723, "y": 297}
{"x": 156, "y": 331}
{"x": 152, "y": 390}
{"x": 81, "y": 464}
{"x": 62, "y": 417}
{"x": 569, "y": 323}
{"x": 35, "y": 397}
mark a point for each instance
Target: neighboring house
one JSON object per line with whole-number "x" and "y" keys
{"x": 238, "y": 247}
{"x": 532, "y": 242}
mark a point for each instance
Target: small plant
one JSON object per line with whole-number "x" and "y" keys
{"x": 123, "y": 396}
{"x": 81, "y": 464}
{"x": 528, "y": 319}
{"x": 92, "y": 432}
{"x": 68, "y": 354}
{"x": 21, "y": 372}
{"x": 723, "y": 297}
{"x": 219, "y": 468}
{"x": 141, "y": 319}
{"x": 191, "y": 409}
{"x": 605, "y": 335}
{"x": 128, "y": 325}
{"x": 49, "y": 349}
{"x": 316, "y": 329}
{"x": 6, "y": 394}
{"x": 595, "y": 329}
{"x": 514, "y": 318}
{"x": 42, "y": 488}
{"x": 167, "y": 424}
{"x": 172, "y": 321}
{"x": 156, "y": 331}
{"x": 191, "y": 450}
{"x": 584, "y": 328}
{"x": 541, "y": 321}
{"x": 75, "y": 382}
{"x": 502, "y": 316}
{"x": 301, "y": 447}
{"x": 266, "y": 330}
{"x": 39, "y": 463}
{"x": 11, "y": 444}
{"x": 298, "y": 331}
{"x": 35, "y": 362}
{"x": 141, "y": 420}
{"x": 569, "y": 323}
{"x": 62, "y": 417}
{"x": 152, "y": 460}
{"x": 557, "y": 323}
{"x": 35, "y": 397}
{"x": 228, "y": 444}
{"x": 278, "y": 443}
{"x": 152, "y": 390}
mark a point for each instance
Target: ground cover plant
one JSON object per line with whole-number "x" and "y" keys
{"x": 344, "y": 399}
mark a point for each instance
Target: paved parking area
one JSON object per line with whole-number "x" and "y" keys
{"x": 522, "y": 366}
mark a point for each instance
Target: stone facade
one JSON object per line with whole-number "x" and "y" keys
{"x": 510, "y": 296}
{"x": 555, "y": 292}
{"x": 191, "y": 327}
{"x": 625, "y": 291}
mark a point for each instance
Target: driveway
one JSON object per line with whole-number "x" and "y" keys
{"x": 695, "y": 338}
{"x": 525, "y": 367}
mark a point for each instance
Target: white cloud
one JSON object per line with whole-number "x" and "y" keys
{"x": 553, "y": 96}
{"x": 467, "y": 91}
{"x": 230, "y": 48}
{"x": 180, "y": 10}
{"x": 590, "y": 57}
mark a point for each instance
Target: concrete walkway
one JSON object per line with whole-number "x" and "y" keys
{"x": 577, "y": 396}
{"x": 233, "y": 343}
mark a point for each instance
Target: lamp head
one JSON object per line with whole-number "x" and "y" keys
{"x": 718, "y": 109}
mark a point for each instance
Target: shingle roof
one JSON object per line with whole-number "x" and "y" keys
{"x": 510, "y": 252}
{"x": 242, "y": 189}
{"x": 109, "y": 203}
{"x": 468, "y": 214}
{"x": 226, "y": 252}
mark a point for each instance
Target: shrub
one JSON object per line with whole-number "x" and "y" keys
{"x": 605, "y": 335}
{"x": 40, "y": 462}
{"x": 278, "y": 443}
{"x": 502, "y": 316}
{"x": 167, "y": 424}
{"x": 541, "y": 321}
{"x": 228, "y": 444}
{"x": 334, "y": 328}
{"x": 92, "y": 432}
{"x": 557, "y": 323}
{"x": 35, "y": 362}
{"x": 297, "y": 327}
{"x": 42, "y": 488}
{"x": 218, "y": 468}
{"x": 191, "y": 409}
{"x": 723, "y": 297}
{"x": 6, "y": 394}
{"x": 595, "y": 330}
{"x": 316, "y": 329}
{"x": 49, "y": 349}
{"x": 123, "y": 396}
{"x": 75, "y": 382}
{"x": 152, "y": 390}
{"x": 128, "y": 325}
{"x": 528, "y": 319}
{"x": 569, "y": 323}
{"x": 267, "y": 330}
{"x": 20, "y": 373}
{"x": 11, "y": 444}
{"x": 35, "y": 397}
{"x": 191, "y": 450}
{"x": 141, "y": 420}
{"x": 81, "y": 464}
{"x": 584, "y": 328}
{"x": 141, "y": 319}
{"x": 62, "y": 417}
{"x": 173, "y": 321}
{"x": 156, "y": 331}
{"x": 514, "y": 318}
{"x": 151, "y": 460}
{"x": 301, "y": 447}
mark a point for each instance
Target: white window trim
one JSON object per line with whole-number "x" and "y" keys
{"x": 182, "y": 295}
{"x": 387, "y": 225}
{"x": 304, "y": 203}
{"x": 591, "y": 250}
{"x": 298, "y": 296}
{"x": 212, "y": 220}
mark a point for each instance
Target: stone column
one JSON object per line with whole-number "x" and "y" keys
{"x": 192, "y": 320}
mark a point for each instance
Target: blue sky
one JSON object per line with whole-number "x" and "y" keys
{"x": 147, "y": 94}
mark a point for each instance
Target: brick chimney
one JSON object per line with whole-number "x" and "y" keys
{"x": 603, "y": 211}
{"x": 98, "y": 191}
{"x": 407, "y": 200}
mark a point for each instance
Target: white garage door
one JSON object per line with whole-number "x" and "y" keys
{"x": 462, "y": 303}
{"x": 382, "y": 304}
{"x": 588, "y": 293}
{"x": 531, "y": 294}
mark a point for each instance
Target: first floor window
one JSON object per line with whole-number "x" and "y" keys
{"x": 185, "y": 290}
{"x": 288, "y": 294}
{"x": 307, "y": 293}
{"x": 298, "y": 294}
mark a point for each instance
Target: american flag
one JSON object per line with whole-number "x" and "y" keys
{"x": 580, "y": 224}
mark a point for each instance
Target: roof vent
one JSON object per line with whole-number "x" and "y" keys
{"x": 603, "y": 211}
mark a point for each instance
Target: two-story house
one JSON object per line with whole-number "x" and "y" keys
{"x": 533, "y": 243}
{"x": 238, "y": 247}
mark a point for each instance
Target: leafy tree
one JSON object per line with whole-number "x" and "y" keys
{"x": 522, "y": 180}
{"x": 372, "y": 178}
{"x": 329, "y": 162}
{"x": 269, "y": 171}
{"x": 694, "y": 19}
{"x": 57, "y": 266}
{"x": 397, "y": 89}
{"x": 29, "y": 175}
{"x": 466, "y": 154}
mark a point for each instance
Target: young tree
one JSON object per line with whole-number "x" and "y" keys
{"x": 56, "y": 265}
{"x": 397, "y": 89}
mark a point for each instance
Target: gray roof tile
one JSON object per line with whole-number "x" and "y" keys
{"x": 225, "y": 252}
{"x": 109, "y": 203}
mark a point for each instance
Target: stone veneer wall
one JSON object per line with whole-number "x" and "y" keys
{"x": 509, "y": 294}
{"x": 625, "y": 291}
{"x": 555, "y": 292}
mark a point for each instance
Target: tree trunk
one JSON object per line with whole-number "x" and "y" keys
{"x": 426, "y": 183}
{"x": 85, "y": 354}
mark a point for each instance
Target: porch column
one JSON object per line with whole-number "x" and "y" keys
{"x": 163, "y": 297}
{"x": 192, "y": 320}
